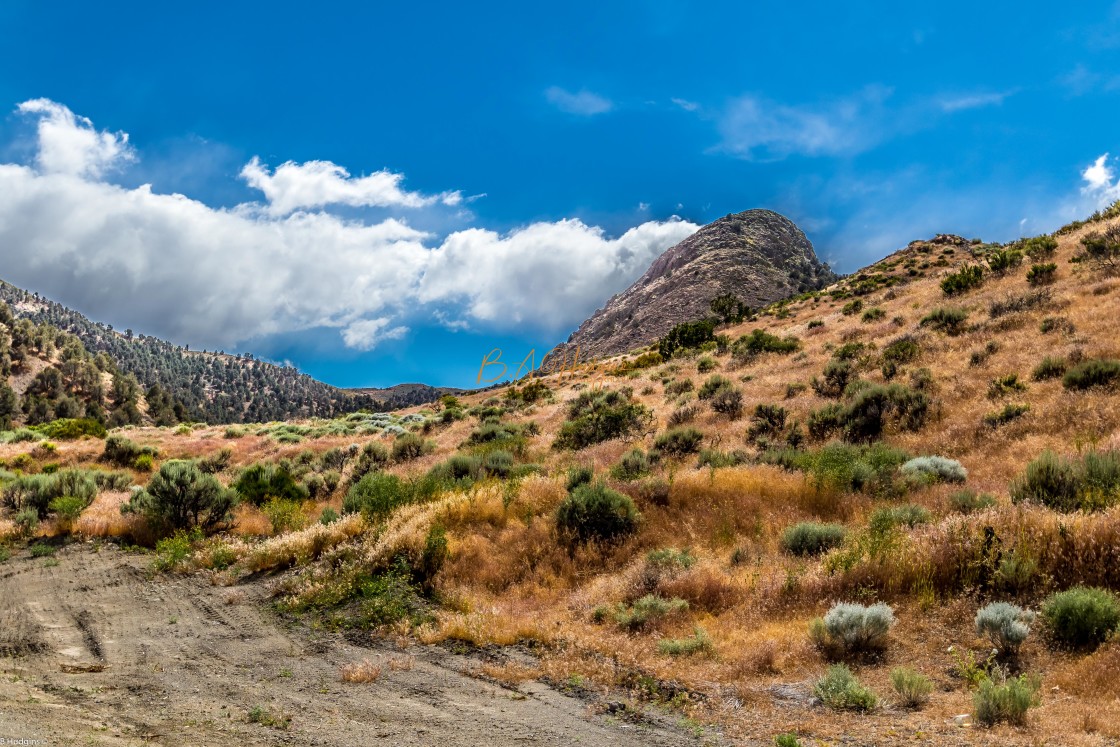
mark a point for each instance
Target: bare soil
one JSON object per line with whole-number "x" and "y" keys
{"x": 94, "y": 650}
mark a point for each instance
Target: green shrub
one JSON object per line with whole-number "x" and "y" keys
{"x": 1008, "y": 701}
{"x": 712, "y": 386}
{"x": 788, "y": 739}
{"x": 41, "y": 550}
{"x": 872, "y": 315}
{"x": 1004, "y": 385}
{"x": 903, "y": 350}
{"x": 836, "y": 377}
{"x": 714, "y": 458}
{"x": 69, "y": 429}
{"x": 686, "y": 335}
{"x": 698, "y": 642}
{"x": 1088, "y": 482}
{"x": 1093, "y": 373}
{"x": 965, "y": 279}
{"x": 1010, "y": 412}
{"x": 634, "y": 464}
{"x": 950, "y": 321}
{"x": 908, "y": 515}
{"x": 1049, "y": 368}
{"x": 679, "y": 386}
{"x": 912, "y": 686}
{"x": 968, "y": 501}
{"x": 1002, "y": 260}
{"x": 1006, "y": 626}
{"x": 285, "y": 515}
{"x": 594, "y": 417}
{"x": 852, "y": 628}
{"x": 377, "y": 495}
{"x": 1042, "y": 274}
{"x": 811, "y": 538}
{"x": 679, "y": 441}
{"x": 409, "y": 446}
{"x": 839, "y": 689}
{"x": 642, "y": 612}
{"x": 68, "y": 508}
{"x": 181, "y": 496}
{"x": 1055, "y": 324}
{"x": 852, "y": 308}
{"x": 843, "y": 467}
{"x": 123, "y": 452}
{"x": 35, "y": 493}
{"x": 173, "y": 551}
{"x": 1040, "y": 247}
{"x": 1081, "y": 617}
{"x": 26, "y": 521}
{"x": 728, "y": 402}
{"x": 579, "y": 475}
{"x": 144, "y": 463}
{"x": 1102, "y": 247}
{"x": 758, "y": 342}
{"x": 867, "y": 414}
{"x": 328, "y": 516}
{"x": 933, "y": 469}
{"x": 595, "y": 512}
{"x": 705, "y": 364}
{"x": 259, "y": 482}
{"x": 814, "y": 323}
{"x": 498, "y": 463}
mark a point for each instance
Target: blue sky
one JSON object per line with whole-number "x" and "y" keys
{"x": 384, "y": 194}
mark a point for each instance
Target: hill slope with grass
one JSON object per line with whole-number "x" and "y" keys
{"x": 756, "y": 257}
{"x": 889, "y": 507}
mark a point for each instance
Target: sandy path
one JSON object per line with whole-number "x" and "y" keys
{"x": 180, "y": 666}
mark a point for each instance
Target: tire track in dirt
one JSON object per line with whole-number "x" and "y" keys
{"x": 95, "y": 651}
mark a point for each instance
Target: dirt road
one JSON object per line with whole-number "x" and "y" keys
{"x": 94, "y": 652}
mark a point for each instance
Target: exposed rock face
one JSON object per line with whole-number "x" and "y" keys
{"x": 758, "y": 256}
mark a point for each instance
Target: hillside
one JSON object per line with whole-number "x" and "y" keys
{"x": 880, "y": 440}
{"x": 756, "y": 256}
{"x": 191, "y": 385}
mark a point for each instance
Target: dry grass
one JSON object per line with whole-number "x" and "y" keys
{"x": 364, "y": 672}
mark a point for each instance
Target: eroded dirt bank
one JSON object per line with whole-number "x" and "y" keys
{"x": 92, "y": 651}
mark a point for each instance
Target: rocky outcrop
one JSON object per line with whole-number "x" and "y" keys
{"x": 758, "y": 256}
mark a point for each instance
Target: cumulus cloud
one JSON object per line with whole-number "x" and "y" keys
{"x": 69, "y": 144}
{"x": 215, "y": 277}
{"x": 583, "y": 102}
{"x": 315, "y": 184}
{"x": 1101, "y": 184}
{"x": 547, "y": 275}
{"x": 365, "y": 334}
{"x": 755, "y": 128}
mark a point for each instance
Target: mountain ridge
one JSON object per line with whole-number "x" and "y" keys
{"x": 758, "y": 256}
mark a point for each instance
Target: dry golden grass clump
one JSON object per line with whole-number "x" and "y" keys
{"x": 360, "y": 672}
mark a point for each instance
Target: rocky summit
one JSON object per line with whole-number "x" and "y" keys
{"x": 758, "y": 256}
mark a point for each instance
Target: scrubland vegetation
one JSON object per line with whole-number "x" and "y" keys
{"x": 800, "y": 522}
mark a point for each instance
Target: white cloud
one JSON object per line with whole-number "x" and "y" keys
{"x": 547, "y": 275}
{"x": 214, "y": 277}
{"x": 1101, "y": 184}
{"x": 365, "y": 334}
{"x": 583, "y": 102}
{"x": 70, "y": 145}
{"x": 315, "y": 184}
{"x": 688, "y": 106}
{"x": 759, "y": 129}
{"x": 973, "y": 100}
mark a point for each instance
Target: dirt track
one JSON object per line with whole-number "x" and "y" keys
{"x": 182, "y": 666}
